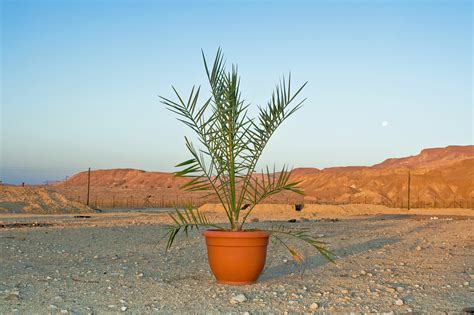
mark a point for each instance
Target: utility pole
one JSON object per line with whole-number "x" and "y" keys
{"x": 88, "y": 185}
{"x": 409, "y": 182}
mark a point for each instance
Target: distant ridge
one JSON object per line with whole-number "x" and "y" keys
{"x": 438, "y": 175}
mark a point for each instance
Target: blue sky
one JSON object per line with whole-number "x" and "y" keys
{"x": 80, "y": 79}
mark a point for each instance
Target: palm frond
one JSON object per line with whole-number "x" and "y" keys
{"x": 185, "y": 221}
{"x": 267, "y": 184}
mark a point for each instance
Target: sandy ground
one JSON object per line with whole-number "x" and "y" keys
{"x": 39, "y": 200}
{"x": 110, "y": 262}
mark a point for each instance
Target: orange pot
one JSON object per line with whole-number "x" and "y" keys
{"x": 236, "y": 257}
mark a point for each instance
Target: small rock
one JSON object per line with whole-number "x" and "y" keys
{"x": 239, "y": 298}
{"x": 390, "y": 290}
{"x": 123, "y": 308}
{"x": 399, "y": 302}
{"x": 254, "y": 220}
{"x": 400, "y": 289}
{"x": 53, "y": 308}
{"x": 344, "y": 291}
{"x": 363, "y": 272}
{"x": 57, "y": 298}
{"x": 291, "y": 302}
{"x": 13, "y": 296}
{"x": 64, "y": 311}
{"x": 466, "y": 284}
{"x": 314, "y": 306}
{"x": 418, "y": 248}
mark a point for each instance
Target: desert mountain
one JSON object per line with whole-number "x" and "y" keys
{"x": 439, "y": 176}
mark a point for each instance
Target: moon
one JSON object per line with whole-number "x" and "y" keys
{"x": 384, "y": 123}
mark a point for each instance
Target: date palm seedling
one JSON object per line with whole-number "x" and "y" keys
{"x": 231, "y": 144}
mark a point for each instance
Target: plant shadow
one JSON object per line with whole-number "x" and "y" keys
{"x": 317, "y": 260}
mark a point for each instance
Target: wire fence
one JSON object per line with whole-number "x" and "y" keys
{"x": 400, "y": 202}
{"x": 137, "y": 202}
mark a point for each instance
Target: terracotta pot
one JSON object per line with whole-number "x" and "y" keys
{"x": 236, "y": 257}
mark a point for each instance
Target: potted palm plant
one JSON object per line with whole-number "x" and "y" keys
{"x": 231, "y": 143}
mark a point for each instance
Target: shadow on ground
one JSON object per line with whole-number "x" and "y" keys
{"x": 317, "y": 260}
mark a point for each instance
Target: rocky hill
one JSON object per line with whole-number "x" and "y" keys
{"x": 439, "y": 177}
{"x": 36, "y": 200}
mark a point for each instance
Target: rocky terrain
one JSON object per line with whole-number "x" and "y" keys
{"x": 113, "y": 264}
{"x": 36, "y": 200}
{"x": 440, "y": 177}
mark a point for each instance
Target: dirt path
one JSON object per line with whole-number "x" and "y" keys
{"x": 86, "y": 266}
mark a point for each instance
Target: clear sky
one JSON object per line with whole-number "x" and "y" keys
{"x": 80, "y": 79}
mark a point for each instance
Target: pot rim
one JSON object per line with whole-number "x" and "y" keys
{"x": 236, "y": 234}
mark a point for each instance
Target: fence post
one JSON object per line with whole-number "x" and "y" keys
{"x": 88, "y": 185}
{"x": 409, "y": 186}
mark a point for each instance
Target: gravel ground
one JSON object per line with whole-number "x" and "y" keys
{"x": 386, "y": 263}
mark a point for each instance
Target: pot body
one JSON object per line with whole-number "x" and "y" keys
{"x": 236, "y": 258}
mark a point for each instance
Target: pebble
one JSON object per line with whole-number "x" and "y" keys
{"x": 13, "y": 296}
{"x": 123, "y": 308}
{"x": 58, "y": 298}
{"x": 418, "y": 248}
{"x": 466, "y": 284}
{"x": 344, "y": 291}
{"x": 239, "y": 298}
{"x": 390, "y": 290}
{"x": 399, "y": 302}
{"x": 314, "y": 306}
